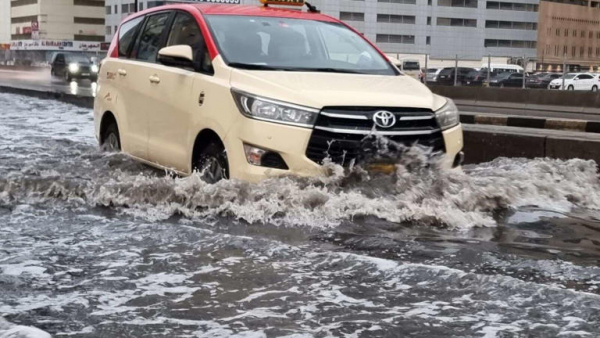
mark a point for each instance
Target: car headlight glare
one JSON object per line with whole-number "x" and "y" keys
{"x": 94, "y": 69}
{"x": 275, "y": 111}
{"x": 73, "y": 67}
{"x": 447, "y": 116}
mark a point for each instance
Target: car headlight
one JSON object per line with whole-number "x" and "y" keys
{"x": 73, "y": 67}
{"x": 94, "y": 69}
{"x": 275, "y": 111}
{"x": 447, "y": 116}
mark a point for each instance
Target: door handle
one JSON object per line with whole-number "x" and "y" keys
{"x": 154, "y": 79}
{"x": 122, "y": 72}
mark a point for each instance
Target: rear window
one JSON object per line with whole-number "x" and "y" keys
{"x": 408, "y": 65}
{"x": 127, "y": 35}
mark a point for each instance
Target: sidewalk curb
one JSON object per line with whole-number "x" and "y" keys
{"x": 77, "y": 100}
{"x": 531, "y": 122}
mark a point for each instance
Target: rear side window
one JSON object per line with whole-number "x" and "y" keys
{"x": 127, "y": 35}
{"x": 150, "y": 39}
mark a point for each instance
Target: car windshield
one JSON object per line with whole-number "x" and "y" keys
{"x": 270, "y": 43}
{"x": 503, "y": 75}
{"x": 77, "y": 58}
{"x": 569, "y": 76}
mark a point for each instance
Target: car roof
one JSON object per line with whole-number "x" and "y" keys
{"x": 240, "y": 10}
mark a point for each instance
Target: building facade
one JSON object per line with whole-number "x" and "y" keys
{"x": 569, "y": 34}
{"x": 38, "y": 27}
{"x": 469, "y": 29}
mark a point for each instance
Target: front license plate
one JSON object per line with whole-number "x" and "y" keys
{"x": 85, "y": 74}
{"x": 383, "y": 168}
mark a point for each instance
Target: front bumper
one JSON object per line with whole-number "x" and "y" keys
{"x": 291, "y": 143}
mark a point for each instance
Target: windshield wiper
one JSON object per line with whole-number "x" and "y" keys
{"x": 251, "y": 66}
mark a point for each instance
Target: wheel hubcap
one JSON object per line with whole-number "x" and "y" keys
{"x": 112, "y": 142}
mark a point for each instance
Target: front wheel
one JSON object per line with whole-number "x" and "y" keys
{"x": 595, "y": 89}
{"x": 571, "y": 88}
{"x": 111, "y": 141}
{"x": 212, "y": 163}
{"x": 67, "y": 77}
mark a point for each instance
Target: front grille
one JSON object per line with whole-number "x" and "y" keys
{"x": 346, "y": 134}
{"x": 85, "y": 69}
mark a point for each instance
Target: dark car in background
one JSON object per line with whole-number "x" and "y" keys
{"x": 446, "y": 76}
{"x": 541, "y": 80}
{"x": 507, "y": 80}
{"x": 478, "y": 77}
{"x": 71, "y": 66}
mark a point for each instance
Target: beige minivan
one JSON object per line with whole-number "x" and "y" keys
{"x": 248, "y": 92}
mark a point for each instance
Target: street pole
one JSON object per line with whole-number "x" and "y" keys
{"x": 489, "y": 68}
{"x": 524, "y": 70}
{"x": 425, "y": 74}
{"x": 455, "y": 70}
{"x": 135, "y": 3}
{"x": 564, "y": 71}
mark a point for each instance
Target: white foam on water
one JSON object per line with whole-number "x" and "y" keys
{"x": 9, "y": 330}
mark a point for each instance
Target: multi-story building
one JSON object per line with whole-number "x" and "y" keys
{"x": 569, "y": 34}
{"x": 469, "y": 29}
{"x": 38, "y": 27}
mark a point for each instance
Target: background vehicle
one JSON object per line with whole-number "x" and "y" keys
{"x": 541, "y": 80}
{"x": 502, "y": 68}
{"x": 411, "y": 68}
{"x": 432, "y": 74}
{"x": 478, "y": 77}
{"x": 576, "y": 81}
{"x": 507, "y": 80}
{"x": 71, "y": 66}
{"x": 446, "y": 76}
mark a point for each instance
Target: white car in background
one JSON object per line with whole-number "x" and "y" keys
{"x": 432, "y": 74}
{"x": 576, "y": 81}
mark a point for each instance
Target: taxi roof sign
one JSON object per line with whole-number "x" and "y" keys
{"x": 283, "y": 2}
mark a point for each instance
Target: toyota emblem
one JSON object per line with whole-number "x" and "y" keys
{"x": 384, "y": 119}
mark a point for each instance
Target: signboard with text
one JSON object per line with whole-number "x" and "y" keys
{"x": 67, "y": 45}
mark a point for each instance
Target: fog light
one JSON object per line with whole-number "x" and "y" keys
{"x": 264, "y": 158}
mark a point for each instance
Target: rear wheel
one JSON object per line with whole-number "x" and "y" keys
{"x": 111, "y": 141}
{"x": 595, "y": 89}
{"x": 502, "y": 85}
{"x": 212, "y": 163}
{"x": 571, "y": 88}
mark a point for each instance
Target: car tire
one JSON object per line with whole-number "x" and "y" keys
{"x": 595, "y": 89}
{"x": 570, "y": 87}
{"x": 67, "y": 77}
{"x": 111, "y": 140}
{"x": 502, "y": 85}
{"x": 212, "y": 163}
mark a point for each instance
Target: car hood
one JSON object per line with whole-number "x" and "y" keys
{"x": 318, "y": 90}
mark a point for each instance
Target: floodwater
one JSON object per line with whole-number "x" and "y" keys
{"x": 97, "y": 245}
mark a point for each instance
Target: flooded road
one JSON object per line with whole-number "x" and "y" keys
{"x": 97, "y": 245}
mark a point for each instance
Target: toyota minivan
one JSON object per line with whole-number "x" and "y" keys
{"x": 249, "y": 92}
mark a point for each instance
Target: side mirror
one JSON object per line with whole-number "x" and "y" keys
{"x": 180, "y": 56}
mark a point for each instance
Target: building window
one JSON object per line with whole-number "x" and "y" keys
{"x": 392, "y": 38}
{"x": 81, "y": 37}
{"x": 591, "y": 35}
{"x": 406, "y": 2}
{"x": 17, "y": 3}
{"x": 456, "y": 22}
{"x": 108, "y": 30}
{"x": 24, "y": 19}
{"x": 428, "y": 40}
{"x": 573, "y": 51}
{"x": 155, "y": 3}
{"x": 116, "y": 9}
{"x": 392, "y": 18}
{"x": 88, "y": 21}
{"x": 108, "y": 10}
{"x": 511, "y": 25}
{"x": 131, "y": 8}
{"x": 89, "y": 3}
{"x": 515, "y": 44}
{"x": 352, "y": 16}
{"x": 141, "y": 6}
{"x": 566, "y": 32}
{"x": 510, "y": 6}
{"x": 428, "y": 21}
{"x": 124, "y": 8}
{"x": 458, "y": 3}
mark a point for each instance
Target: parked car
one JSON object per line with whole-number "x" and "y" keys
{"x": 432, "y": 74}
{"x": 446, "y": 76}
{"x": 236, "y": 91}
{"x": 576, "y": 81}
{"x": 478, "y": 77}
{"x": 541, "y": 80}
{"x": 72, "y": 66}
{"x": 503, "y": 68}
{"x": 507, "y": 80}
